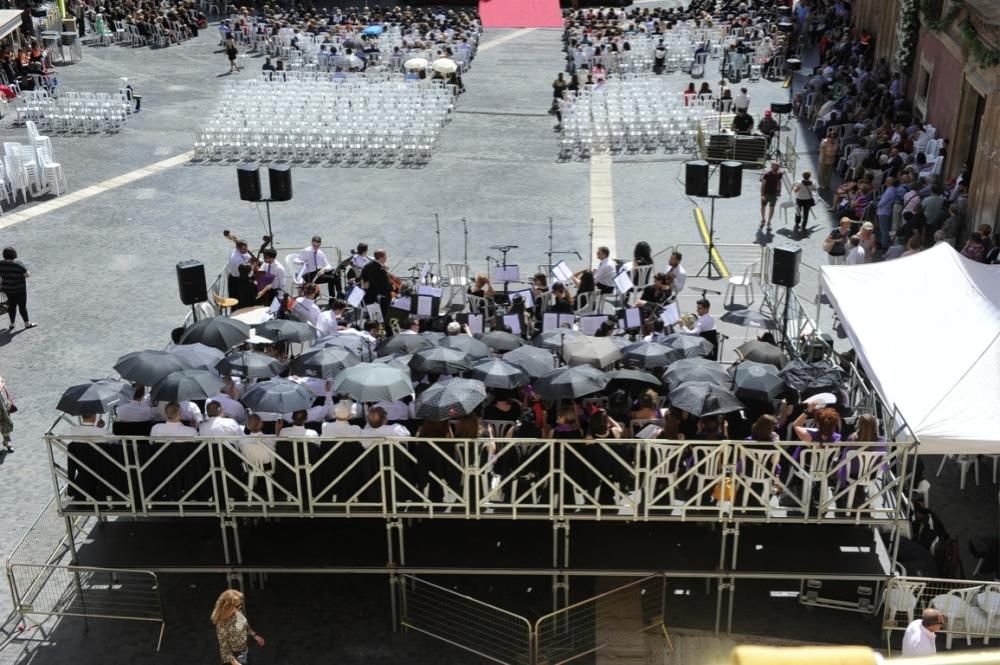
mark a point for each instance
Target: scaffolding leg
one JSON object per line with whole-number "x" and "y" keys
{"x": 560, "y": 561}
{"x": 397, "y": 586}
{"x": 71, "y": 543}
{"x": 233, "y": 555}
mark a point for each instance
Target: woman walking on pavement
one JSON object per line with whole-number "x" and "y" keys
{"x": 13, "y": 285}
{"x": 232, "y": 628}
{"x": 229, "y": 45}
{"x": 6, "y": 408}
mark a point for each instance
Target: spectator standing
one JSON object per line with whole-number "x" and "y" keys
{"x": 13, "y": 276}
{"x": 6, "y": 408}
{"x": 828, "y": 152}
{"x": 232, "y": 628}
{"x": 919, "y": 638}
{"x": 804, "y": 200}
{"x": 770, "y": 190}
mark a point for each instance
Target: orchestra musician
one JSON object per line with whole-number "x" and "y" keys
{"x": 379, "y": 283}
{"x": 317, "y": 269}
{"x": 657, "y": 294}
{"x": 240, "y": 256}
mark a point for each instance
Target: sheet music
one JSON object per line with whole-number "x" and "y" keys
{"x": 552, "y": 321}
{"x": 527, "y": 295}
{"x": 562, "y": 272}
{"x": 433, "y": 291}
{"x": 591, "y": 323}
{"x": 513, "y": 321}
{"x": 402, "y": 302}
{"x": 374, "y": 312}
{"x": 300, "y": 275}
{"x": 508, "y": 274}
{"x": 623, "y": 281}
{"x": 275, "y": 306}
{"x": 671, "y": 315}
{"x": 475, "y": 323}
{"x": 355, "y": 296}
{"x": 425, "y": 305}
{"x": 632, "y": 318}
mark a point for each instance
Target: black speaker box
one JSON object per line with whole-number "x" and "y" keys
{"x": 191, "y": 282}
{"x": 248, "y": 176}
{"x": 696, "y": 178}
{"x": 730, "y": 179}
{"x": 280, "y": 176}
{"x": 785, "y": 265}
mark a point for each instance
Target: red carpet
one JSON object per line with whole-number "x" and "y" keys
{"x": 520, "y": 13}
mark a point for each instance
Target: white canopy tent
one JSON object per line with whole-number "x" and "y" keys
{"x": 926, "y": 328}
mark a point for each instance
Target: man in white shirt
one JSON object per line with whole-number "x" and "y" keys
{"x": 315, "y": 266}
{"x": 173, "y": 427}
{"x": 298, "y": 430}
{"x": 230, "y": 407}
{"x": 89, "y": 426}
{"x": 604, "y": 273}
{"x": 395, "y": 411}
{"x": 704, "y": 322}
{"x": 329, "y": 319}
{"x": 741, "y": 100}
{"x": 856, "y": 254}
{"x": 274, "y": 272}
{"x": 305, "y": 308}
{"x": 360, "y": 258}
{"x": 678, "y": 271}
{"x": 256, "y": 445}
{"x": 190, "y": 413}
{"x": 341, "y": 428}
{"x": 218, "y": 424}
{"x": 136, "y": 411}
{"x": 239, "y": 256}
{"x": 377, "y": 426}
{"x": 919, "y": 638}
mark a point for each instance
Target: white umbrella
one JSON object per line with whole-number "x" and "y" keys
{"x": 445, "y": 66}
{"x": 354, "y": 62}
{"x": 416, "y": 63}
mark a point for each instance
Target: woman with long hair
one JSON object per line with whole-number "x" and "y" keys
{"x": 232, "y": 628}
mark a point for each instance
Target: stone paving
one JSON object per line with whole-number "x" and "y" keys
{"x": 103, "y": 267}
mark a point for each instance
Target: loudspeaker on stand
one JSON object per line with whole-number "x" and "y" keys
{"x": 696, "y": 178}
{"x": 280, "y": 176}
{"x": 785, "y": 265}
{"x": 248, "y": 176}
{"x": 191, "y": 282}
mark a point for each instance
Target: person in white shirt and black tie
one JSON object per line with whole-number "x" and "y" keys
{"x": 239, "y": 256}
{"x": 272, "y": 273}
{"x": 704, "y": 322}
{"x": 604, "y": 273}
{"x": 316, "y": 267}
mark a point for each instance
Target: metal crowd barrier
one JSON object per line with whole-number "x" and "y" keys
{"x": 539, "y": 479}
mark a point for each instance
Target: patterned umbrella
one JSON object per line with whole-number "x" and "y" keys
{"x": 453, "y": 399}
{"x": 148, "y": 367}
{"x": 700, "y": 398}
{"x": 220, "y": 332}
{"x": 251, "y": 365}
{"x": 324, "y": 362}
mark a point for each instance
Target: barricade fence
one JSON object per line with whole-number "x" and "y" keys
{"x": 539, "y": 479}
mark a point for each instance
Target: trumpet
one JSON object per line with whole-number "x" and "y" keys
{"x": 688, "y": 320}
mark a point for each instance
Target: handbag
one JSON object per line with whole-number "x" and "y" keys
{"x": 828, "y": 244}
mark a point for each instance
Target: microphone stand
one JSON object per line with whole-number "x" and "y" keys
{"x": 437, "y": 231}
{"x": 553, "y": 252}
{"x": 465, "y": 232}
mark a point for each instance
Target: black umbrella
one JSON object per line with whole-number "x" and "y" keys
{"x": 475, "y": 349}
{"x": 633, "y": 381}
{"x": 148, "y": 367}
{"x": 400, "y": 360}
{"x": 324, "y": 362}
{"x": 433, "y": 335}
{"x": 749, "y": 318}
{"x": 598, "y": 352}
{"x": 571, "y": 382}
{"x": 220, "y": 332}
{"x": 531, "y": 359}
{"x": 187, "y": 384}
{"x": 696, "y": 369}
{"x": 501, "y": 340}
{"x": 278, "y": 396}
{"x": 649, "y": 355}
{"x": 554, "y": 339}
{"x": 692, "y": 346}
{"x": 700, "y": 398}
{"x": 452, "y": 399}
{"x": 251, "y": 365}
{"x": 198, "y": 355}
{"x": 373, "y": 382}
{"x": 92, "y": 398}
{"x": 762, "y": 352}
{"x": 286, "y": 330}
{"x": 757, "y": 381}
{"x": 818, "y": 377}
{"x": 358, "y": 345}
{"x": 500, "y": 374}
{"x": 405, "y": 343}
{"x": 440, "y": 360}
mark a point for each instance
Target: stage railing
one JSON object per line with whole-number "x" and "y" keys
{"x": 538, "y": 479}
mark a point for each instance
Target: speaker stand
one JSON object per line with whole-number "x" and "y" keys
{"x": 784, "y": 319}
{"x": 194, "y": 313}
{"x": 270, "y": 233}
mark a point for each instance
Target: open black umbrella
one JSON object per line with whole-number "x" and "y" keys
{"x": 220, "y": 332}
{"x": 571, "y": 382}
{"x": 554, "y": 339}
{"x": 286, "y": 330}
{"x": 278, "y": 396}
{"x": 500, "y": 374}
{"x": 373, "y": 382}
{"x": 701, "y": 398}
{"x": 501, "y": 340}
{"x": 251, "y": 365}
{"x": 818, "y": 377}
{"x": 756, "y": 381}
{"x": 198, "y": 355}
{"x": 92, "y": 398}
{"x": 475, "y": 349}
{"x": 400, "y": 360}
{"x": 762, "y": 352}
{"x": 531, "y": 359}
{"x": 324, "y": 362}
{"x": 597, "y": 352}
{"x": 440, "y": 360}
{"x": 649, "y": 355}
{"x": 692, "y": 346}
{"x": 632, "y": 381}
{"x": 453, "y": 399}
{"x": 696, "y": 369}
{"x": 405, "y": 343}
{"x": 433, "y": 335}
{"x": 186, "y": 384}
{"x": 148, "y": 367}
{"x": 749, "y": 318}
{"x": 358, "y": 345}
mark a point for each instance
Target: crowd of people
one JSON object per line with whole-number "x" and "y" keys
{"x": 155, "y": 23}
